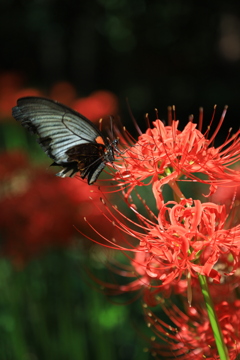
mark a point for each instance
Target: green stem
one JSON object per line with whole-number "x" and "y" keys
{"x": 178, "y": 195}
{"x": 222, "y": 349}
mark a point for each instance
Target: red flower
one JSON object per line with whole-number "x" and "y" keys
{"x": 165, "y": 154}
{"x": 148, "y": 285}
{"x": 188, "y": 239}
{"x": 190, "y": 336}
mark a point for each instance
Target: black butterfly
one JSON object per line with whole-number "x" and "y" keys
{"x": 66, "y": 136}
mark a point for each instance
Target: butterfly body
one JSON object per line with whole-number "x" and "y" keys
{"x": 66, "y": 136}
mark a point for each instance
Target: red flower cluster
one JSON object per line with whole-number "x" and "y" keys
{"x": 183, "y": 238}
{"x": 187, "y": 237}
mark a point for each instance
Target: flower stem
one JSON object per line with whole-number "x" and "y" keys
{"x": 222, "y": 349}
{"x": 178, "y": 195}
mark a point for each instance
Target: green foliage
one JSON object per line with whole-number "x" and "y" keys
{"x": 47, "y": 311}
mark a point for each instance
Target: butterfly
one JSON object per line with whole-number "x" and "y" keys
{"x": 66, "y": 136}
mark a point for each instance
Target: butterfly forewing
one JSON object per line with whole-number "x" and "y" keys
{"x": 66, "y": 136}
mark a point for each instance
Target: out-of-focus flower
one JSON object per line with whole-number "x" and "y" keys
{"x": 12, "y": 88}
{"x": 11, "y": 163}
{"x": 99, "y": 104}
{"x": 95, "y": 106}
{"x": 39, "y": 210}
{"x": 64, "y": 92}
{"x": 10, "y": 83}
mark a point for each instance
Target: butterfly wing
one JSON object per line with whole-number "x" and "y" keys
{"x": 65, "y": 135}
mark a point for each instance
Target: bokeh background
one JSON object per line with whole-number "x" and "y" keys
{"x": 91, "y": 55}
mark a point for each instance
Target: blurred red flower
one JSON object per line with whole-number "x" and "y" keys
{"x": 64, "y": 92}
{"x": 99, "y": 104}
{"x": 12, "y": 88}
{"x": 39, "y": 210}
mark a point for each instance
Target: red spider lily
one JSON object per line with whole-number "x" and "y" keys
{"x": 190, "y": 335}
{"x": 188, "y": 239}
{"x": 148, "y": 285}
{"x": 150, "y": 290}
{"x": 165, "y": 154}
